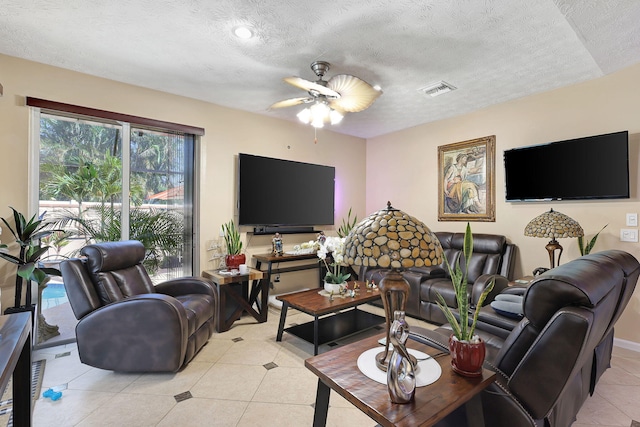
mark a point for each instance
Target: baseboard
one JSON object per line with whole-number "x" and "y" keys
{"x": 629, "y": 345}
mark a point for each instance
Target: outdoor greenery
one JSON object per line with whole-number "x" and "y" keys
{"x": 461, "y": 328}
{"x": 81, "y": 161}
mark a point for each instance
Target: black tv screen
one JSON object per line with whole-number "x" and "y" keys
{"x": 595, "y": 167}
{"x": 275, "y": 192}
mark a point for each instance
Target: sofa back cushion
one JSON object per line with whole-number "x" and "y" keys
{"x": 489, "y": 256}
{"x": 116, "y": 270}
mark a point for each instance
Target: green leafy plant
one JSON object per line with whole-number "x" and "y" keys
{"x": 28, "y": 235}
{"x": 584, "y": 250}
{"x": 462, "y": 330}
{"x": 160, "y": 231}
{"x": 232, "y": 238}
{"x": 347, "y": 225}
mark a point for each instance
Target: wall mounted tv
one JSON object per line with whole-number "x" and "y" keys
{"x": 283, "y": 193}
{"x": 595, "y": 167}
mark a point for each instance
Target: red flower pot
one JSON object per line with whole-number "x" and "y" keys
{"x": 467, "y": 358}
{"x": 233, "y": 261}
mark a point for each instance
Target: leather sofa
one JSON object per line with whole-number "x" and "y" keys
{"x": 493, "y": 258}
{"x": 127, "y": 324}
{"x": 551, "y": 360}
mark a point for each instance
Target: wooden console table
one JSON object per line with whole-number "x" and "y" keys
{"x": 271, "y": 259}
{"x": 15, "y": 359}
{"x": 234, "y": 297}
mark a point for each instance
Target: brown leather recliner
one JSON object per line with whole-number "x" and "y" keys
{"x": 551, "y": 360}
{"x": 127, "y": 324}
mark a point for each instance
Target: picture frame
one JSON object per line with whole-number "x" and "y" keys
{"x": 466, "y": 180}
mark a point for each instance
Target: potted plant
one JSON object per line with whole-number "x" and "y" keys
{"x": 336, "y": 279}
{"x": 467, "y": 349}
{"x": 28, "y": 235}
{"x": 232, "y": 241}
{"x": 585, "y": 250}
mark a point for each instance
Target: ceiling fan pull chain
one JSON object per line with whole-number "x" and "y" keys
{"x": 315, "y": 134}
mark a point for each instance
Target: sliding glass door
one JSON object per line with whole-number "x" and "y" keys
{"x": 87, "y": 167}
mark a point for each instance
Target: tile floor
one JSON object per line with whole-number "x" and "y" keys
{"x": 233, "y": 382}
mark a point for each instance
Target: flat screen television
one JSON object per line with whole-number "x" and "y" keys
{"x": 275, "y": 192}
{"x": 595, "y": 167}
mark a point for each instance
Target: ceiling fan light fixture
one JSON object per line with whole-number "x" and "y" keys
{"x": 243, "y": 32}
{"x": 335, "y": 117}
{"x": 318, "y": 114}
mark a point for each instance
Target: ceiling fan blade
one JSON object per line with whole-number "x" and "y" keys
{"x": 311, "y": 86}
{"x": 355, "y": 94}
{"x": 291, "y": 102}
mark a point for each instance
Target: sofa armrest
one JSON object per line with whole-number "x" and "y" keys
{"x": 145, "y": 325}
{"x": 482, "y": 282}
{"x": 186, "y": 286}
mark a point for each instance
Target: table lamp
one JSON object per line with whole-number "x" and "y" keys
{"x": 390, "y": 238}
{"x": 553, "y": 224}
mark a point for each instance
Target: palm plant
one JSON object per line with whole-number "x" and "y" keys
{"x": 160, "y": 231}
{"x": 28, "y": 235}
{"x": 347, "y": 225}
{"x": 462, "y": 330}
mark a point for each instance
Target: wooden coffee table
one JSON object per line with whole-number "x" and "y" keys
{"x": 336, "y": 323}
{"x": 338, "y": 370}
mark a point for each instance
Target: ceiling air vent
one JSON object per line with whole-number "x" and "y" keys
{"x": 436, "y": 89}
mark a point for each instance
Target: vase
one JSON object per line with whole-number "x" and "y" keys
{"x": 233, "y": 261}
{"x": 334, "y": 287}
{"x": 467, "y": 357}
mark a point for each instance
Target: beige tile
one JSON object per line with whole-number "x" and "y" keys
{"x": 229, "y": 382}
{"x": 276, "y": 415}
{"x": 63, "y": 370}
{"x": 287, "y": 385}
{"x": 101, "y": 380}
{"x": 169, "y": 384}
{"x": 615, "y": 375}
{"x": 625, "y": 352}
{"x": 213, "y": 350}
{"x": 205, "y": 412}
{"x": 73, "y": 407}
{"x": 249, "y": 352}
{"x": 291, "y": 356}
{"x": 598, "y": 410}
{"x": 632, "y": 366}
{"x": 625, "y": 398}
{"x": 130, "y": 410}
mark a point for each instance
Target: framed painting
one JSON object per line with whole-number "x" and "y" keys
{"x": 466, "y": 175}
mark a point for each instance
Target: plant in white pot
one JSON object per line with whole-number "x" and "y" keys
{"x": 467, "y": 349}
{"x": 336, "y": 279}
{"x": 233, "y": 243}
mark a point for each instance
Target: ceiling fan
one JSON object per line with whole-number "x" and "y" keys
{"x": 330, "y": 98}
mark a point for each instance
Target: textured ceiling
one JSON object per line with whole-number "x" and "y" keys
{"x": 491, "y": 50}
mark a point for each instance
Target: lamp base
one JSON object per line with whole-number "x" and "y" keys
{"x": 394, "y": 290}
{"x": 552, "y": 247}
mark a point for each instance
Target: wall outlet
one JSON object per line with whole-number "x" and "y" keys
{"x": 628, "y": 235}
{"x": 632, "y": 220}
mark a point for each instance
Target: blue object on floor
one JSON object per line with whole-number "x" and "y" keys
{"x": 53, "y": 395}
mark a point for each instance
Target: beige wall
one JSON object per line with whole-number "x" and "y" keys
{"x": 608, "y": 104}
{"x": 228, "y": 132}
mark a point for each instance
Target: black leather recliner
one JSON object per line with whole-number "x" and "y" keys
{"x": 550, "y": 361}
{"x": 126, "y": 323}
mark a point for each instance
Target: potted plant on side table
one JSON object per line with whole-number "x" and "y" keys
{"x": 467, "y": 349}
{"x": 232, "y": 241}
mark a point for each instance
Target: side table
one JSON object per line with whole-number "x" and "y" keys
{"x": 235, "y": 299}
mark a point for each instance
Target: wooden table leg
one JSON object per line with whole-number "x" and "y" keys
{"x": 283, "y": 316}
{"x": 315, "y": 335}
{"x": 322, "y": 405}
